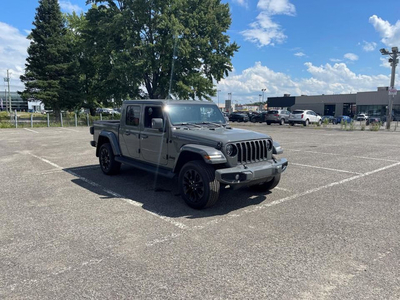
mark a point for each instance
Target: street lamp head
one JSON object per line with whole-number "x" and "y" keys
{"x": 384, "y": 51}
{"x": 395, "y": 49}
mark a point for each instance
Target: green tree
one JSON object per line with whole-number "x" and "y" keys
{"x": 160, "y": 48}
{"x": 51, "y": 68}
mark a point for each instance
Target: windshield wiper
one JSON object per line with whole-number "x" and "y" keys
{"x": 187, "y": 124}
{"x": 214, "y": 123}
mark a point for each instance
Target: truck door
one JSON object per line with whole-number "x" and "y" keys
{"x": 130, "y": 132}
{"x": 153, "y": 142}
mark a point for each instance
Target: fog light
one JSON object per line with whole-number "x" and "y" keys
{"x": 237, "y": 176}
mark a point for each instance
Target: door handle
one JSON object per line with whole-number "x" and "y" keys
{"x": 144, "y": 136}
{"x": 127, "y": 133}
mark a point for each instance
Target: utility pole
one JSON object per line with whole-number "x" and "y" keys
{"x": 392, "y": 91}
{"x": 7, "y": 79}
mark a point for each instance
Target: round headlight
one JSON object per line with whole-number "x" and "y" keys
{"x": 269, "y": 145}
{"x": 231, "y": 150}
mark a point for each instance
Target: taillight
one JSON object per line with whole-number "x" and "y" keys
{"x": 302, "y": 115}
{"x": 276, "y": 115}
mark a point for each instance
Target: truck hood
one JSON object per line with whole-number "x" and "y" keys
{"x": 219, "y": 134}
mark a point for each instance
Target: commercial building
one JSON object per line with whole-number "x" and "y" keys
{"x": 17, "y": 103}
{"x": 373, "y": 103}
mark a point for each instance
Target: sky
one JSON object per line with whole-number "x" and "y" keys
{"x": 297, "y": 47}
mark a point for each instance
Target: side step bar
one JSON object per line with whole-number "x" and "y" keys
{"x": 146, "y": 167}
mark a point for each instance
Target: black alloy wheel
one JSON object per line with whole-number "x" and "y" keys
{"x": 197, "y": 184}
{"x": 107, "y": 160}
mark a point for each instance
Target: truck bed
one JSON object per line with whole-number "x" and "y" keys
{"x": 110, "y": 125}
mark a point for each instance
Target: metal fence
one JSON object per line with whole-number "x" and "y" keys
{"x": 64, "y": 119}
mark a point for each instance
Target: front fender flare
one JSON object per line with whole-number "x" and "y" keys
{"x": 210, "y": 155}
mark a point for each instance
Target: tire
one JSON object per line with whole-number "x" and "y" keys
{"x": 268, "y": 123}
{"x": 107, "y": 161}
{"x": 253, "y": 120}
{"x": 319, "y": 123}
{"x": 197, "y": 184}
{"x": 306, "y": 122}
{"x": 282, "y": 122}
{"x": 268, "y": 185}
{"x": 291, "y": 123}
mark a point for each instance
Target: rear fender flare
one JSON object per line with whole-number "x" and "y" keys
{"x": 113, "y": 141}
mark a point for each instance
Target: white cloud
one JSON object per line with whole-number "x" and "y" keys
{"x": 368, "y": 46}
{"x": 385, "y": 63}
{"x": 335, "y": 59}
{"x": 264, "y": 31}
{"x": 299, "y": 54}
{"x": 277, "y": 7}
{"x": 324, "y": 79}
{"x": 241, "y": 2}
{"x": 351, "y": 56}
{"x": 13, "y": 53}
{"x": 68, "y": 7}
{"x": 390, "y": 34}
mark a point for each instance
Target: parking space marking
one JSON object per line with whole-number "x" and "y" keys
{"x": 70, "y": 129}
{"x": 337, "y": 154}
{"x": 216, "y": 220}
{"x": 112, "y": 193}
{"x": 31, "y": 130}
{"x": 328, "y": 169}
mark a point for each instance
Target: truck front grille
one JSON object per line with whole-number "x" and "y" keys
{"x": 253, "y": 151}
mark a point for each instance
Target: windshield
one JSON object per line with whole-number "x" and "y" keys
{"x": 194, "y": 114}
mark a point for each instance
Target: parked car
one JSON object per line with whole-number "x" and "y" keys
{"x": 362, "y": 117}
{"x": 373, "y": 120}
{"x": 238, "y": 117}
{"x": 346, "y": 119}
{"x": 203, "y": 155}
{"x": 280, "y": 116}
{"x": 258, "y": 117}
{"x": 330, "y": 119}
{"x": 305, "y": 117}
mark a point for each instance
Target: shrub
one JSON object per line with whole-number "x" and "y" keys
{"x": 375, "y": 126}
{"x": 352, "y": 126}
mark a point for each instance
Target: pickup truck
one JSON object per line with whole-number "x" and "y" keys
{"x": 189, "y": 140}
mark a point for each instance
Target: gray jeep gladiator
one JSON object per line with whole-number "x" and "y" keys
{"x": 189, "y": 140}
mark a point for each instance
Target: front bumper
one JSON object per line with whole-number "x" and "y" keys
{"x": 244, "y": 174}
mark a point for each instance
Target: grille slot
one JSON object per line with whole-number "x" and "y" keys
{"x": 252, "y": 151}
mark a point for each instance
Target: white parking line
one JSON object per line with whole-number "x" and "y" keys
{"x": 298, "y": 195}
{"x": 31, "y": 130}
{"x": 70, "y": 129}
{"x": 328, "y": 169}
{"x": 114, "y": 194}
{"x": 337, "y": 154}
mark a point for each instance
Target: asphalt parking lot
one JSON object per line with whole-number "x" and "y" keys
{"x": 330, "y": 230}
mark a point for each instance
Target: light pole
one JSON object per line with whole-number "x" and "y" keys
{"x": 263, "y": 91}
{"x": 393, "y": 62}
{"x": 218, "y": 98}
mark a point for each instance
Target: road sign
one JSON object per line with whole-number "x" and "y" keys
{"x": 392, "y": 91}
